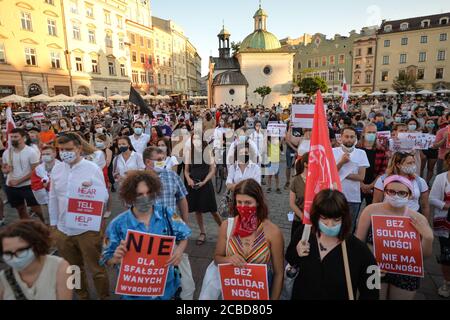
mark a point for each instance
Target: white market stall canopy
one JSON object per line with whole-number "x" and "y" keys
{"x": 61, "y": 97}
{"x": 97, "y": 97}
{"x": 300, "y": 95}
{"x": 425, "y": 92}
{"x": 392, "y": 93}
{"x": 115, "y": 97}
{"x": 62, "y": 104}
{"x": 40, "y": 98}
{"x": 80, "y": 97}
{"x": 14, "y": 99}
{"x": 376, "y": 94}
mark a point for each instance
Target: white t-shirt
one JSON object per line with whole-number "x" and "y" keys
{"x": 252, "y": 171}
{"x": 134, "y": 162}
{"x": 419, "y": 186}
{"x": 140, "y": 143}
{"x": 358, "y": 159}
{"x": 22, "y": 163}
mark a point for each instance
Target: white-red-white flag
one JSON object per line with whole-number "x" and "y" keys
{"x": 345, "y": 95}
{"x": 10, "y": 124}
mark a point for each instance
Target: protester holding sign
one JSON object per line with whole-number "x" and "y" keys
{"x": 403, "y": 164}
{"x": 140, "y": 189}
{"x": 33, "y": 274}
{"x": 398, "y": 191}
{"x": 321, "y": 260}
{"x": 429, "y": 156}
{"x": 71, "y": 179}
{"x": 440, "y": 202}
{"x": 255, "y": 239}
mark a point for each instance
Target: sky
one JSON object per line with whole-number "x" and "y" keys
{"x": 201, "y": 20}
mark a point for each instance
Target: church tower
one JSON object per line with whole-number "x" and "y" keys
{"x": 224, "y": 43}
{"x": 260, "y": 18}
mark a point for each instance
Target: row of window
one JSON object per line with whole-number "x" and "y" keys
{"x": 439, "y": 75}
{"x": 423, "y": 40}
{"x": 142, "y": 40}
{"x": 95, "y": 68}
{"x": 142, "y": 77}
{"x": 324, "y": 61}
{"x": 144, "y": 58}
{"x": 327, "y": 75}
{"x": 89, "y": 10}
{"x": 424, "y": 24}
{"x": 76, "y": 34}
{"x": 164, "y": 77}
{"x": 358, "y": 52}
{"x": 368, "y": 78}
{"x": 441, "y": 56}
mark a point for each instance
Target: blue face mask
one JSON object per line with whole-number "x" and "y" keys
{"x": 330, "y": 231}
{"x": 380, "y": 126}
{"x": 20, "y": 263}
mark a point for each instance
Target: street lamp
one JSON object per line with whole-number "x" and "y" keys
{"x": 106, "y": 92}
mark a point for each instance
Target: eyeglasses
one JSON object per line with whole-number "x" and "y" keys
{"x": 8, "y": 255}
{"x": 393, "y": 193}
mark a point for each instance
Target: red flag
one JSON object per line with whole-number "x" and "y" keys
{"x": 322, "y": 169}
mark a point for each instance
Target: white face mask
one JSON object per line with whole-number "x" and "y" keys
{"x": 396, "y": 201}
{"x": 68, "y": 156}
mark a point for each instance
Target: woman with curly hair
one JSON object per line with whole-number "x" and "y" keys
{"x": 139, "y": 190}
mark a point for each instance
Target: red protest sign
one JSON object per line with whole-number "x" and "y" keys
{"x": 143, "y": 272}
{"x": 397, "y": 245}
{"x": 247, "y": 283}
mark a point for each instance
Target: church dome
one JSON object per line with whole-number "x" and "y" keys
{"x": 260, "y": 39}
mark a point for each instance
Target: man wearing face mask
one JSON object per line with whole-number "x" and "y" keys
{"x": 47, "y": 135}
{"x": 78, "y": 247}
{"x": 19, "y": 160}
{"x": 139, "y": 139}
{"x": 352, "y": 164}
{"x": 380, "y": 122}
{"x": 40, "y": 177}
{"x": 165, "y": 129}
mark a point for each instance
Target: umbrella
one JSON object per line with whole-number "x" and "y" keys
{"x": 376, "y": 94}
{"x": 148, "y": 97}
{"x": 61, "y": 97}
{"x": 444, "y": 91}
{"x": 14, "y": 99}
{"x": 300, "y": 95}
{"x": 97, "y": 97}
{"x": 159, "y": 97}
{"x": 126, "y": 97}
{"x": 391, "y": 93}
{"x": 40, "y": 98}
{"x": 80, "y": 97}
{"x": 425, "y": 92}
{"x": 166, "y": 98}
{"x": 410, "y": 93}
{"x": 115, "y": 97}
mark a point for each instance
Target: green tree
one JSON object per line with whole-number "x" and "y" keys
{"x": 263, "y": 92}
{"x": 406, "y": 82}
{"x": 235, "y": 46}
{"x": 311, "y": 85}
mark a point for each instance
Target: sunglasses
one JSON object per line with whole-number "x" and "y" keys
{"x": 393, "y": 193}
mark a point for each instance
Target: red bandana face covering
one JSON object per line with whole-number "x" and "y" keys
{"x": 247, "y": 222}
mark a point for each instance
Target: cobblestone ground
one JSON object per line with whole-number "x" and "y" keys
{"x": 200, "y": 256}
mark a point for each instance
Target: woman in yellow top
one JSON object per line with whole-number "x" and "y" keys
{"x": 273, "y": 156}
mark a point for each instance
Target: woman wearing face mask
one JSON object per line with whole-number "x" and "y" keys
{"x": 139, "y": 190}
{"x": 320, "y": 259}
{"x": 413, "y": 125}
{"x": 101, "y": 143}
{"x": 127, "y": 160}
{"x": 243, "y": 168}
{"x": 40, "y": 176}
{"x": 404, "y": 164}
{"x": 24, "y": 246}
{"x": 198, "y": 172}
{"x": 440, "y": 201}
{"x": 254, "y": 239}
{"x": 398, "y": 191}
{"x": 429, "y": 157}
{"x": 171, "y": 161}
{"x": 156, "y": 135}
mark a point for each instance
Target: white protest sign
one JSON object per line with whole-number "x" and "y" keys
{"x": 275, "y": 129}
{"x": 418, "y": 140}
{"x": 85, "y": 207}
{"x": 303, "y": 116}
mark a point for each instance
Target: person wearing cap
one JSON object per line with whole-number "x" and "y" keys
{"x": 398, "y": 191}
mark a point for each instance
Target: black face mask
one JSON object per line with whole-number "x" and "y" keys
{"x": 15, "y": 143}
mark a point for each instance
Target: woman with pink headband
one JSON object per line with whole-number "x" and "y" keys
{"x": 397, "y": 192}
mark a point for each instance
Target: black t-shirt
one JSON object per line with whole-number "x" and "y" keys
{"x": 370, "y": 171}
